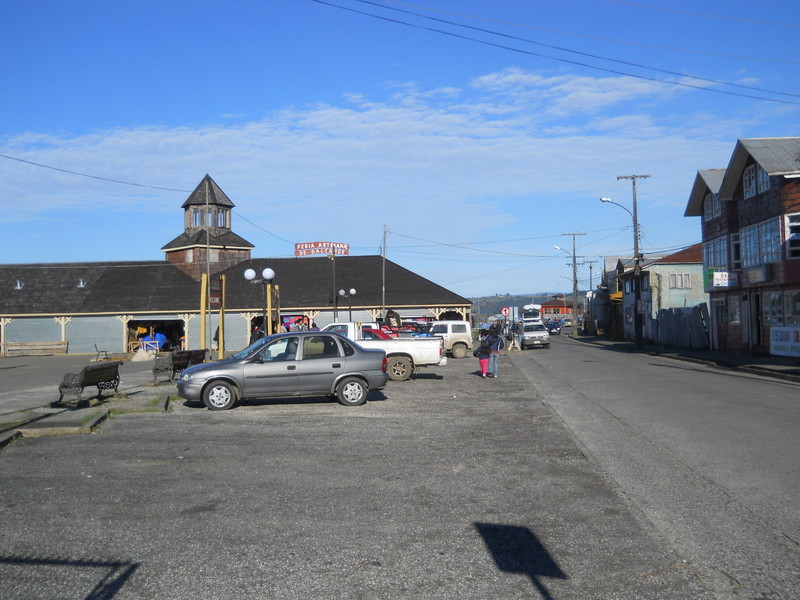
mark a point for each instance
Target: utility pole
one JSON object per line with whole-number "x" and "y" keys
{"x": 574, "y": 285}
{"x": 590, "y": 263}
{"x": 383, "y": 271}
{"x": 637, "y": 285}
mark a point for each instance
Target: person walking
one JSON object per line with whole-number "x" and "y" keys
{"x": 496, "y": 344}
{"x": 482, "y": 354}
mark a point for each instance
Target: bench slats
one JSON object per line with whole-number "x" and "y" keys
{"x": 104, "y": 376}
{"x": 35, "y": 348}
{"x": 173, "y": 363}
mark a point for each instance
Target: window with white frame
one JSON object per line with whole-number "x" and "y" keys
{"x": 773, "y": 308}
{"x": 711, "y": 206}
{"x": 715, "y": 254}
{"x": 792, "y": 307}
{"x": 793, "y": 236}
{"x": 680, "y": 280}
{"x": 769, "y": 233}
{"x": 762, "y": 179}
{"x": 761, "y": 243}
{"x": 749, "y": 181}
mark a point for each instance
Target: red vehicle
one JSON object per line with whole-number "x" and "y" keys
{"x": 374, "y": 334}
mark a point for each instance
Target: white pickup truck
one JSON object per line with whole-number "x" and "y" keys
{"x": 403, "y": 355}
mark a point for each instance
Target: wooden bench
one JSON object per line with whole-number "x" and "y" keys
{"x": 35, "y": 348}
{"x": 103, "y": 375}
{"x": 174, "y": 362}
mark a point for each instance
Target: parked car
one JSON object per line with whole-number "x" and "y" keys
{"x": 302, "y": 363}
{"x": 534, "y": 335}
{"x": 404, "y": 355}
{"x": 553, "y": 327}
{"x": 457, "y": 336}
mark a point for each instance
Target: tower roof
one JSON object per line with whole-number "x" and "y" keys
{"x": 208, "y": 192}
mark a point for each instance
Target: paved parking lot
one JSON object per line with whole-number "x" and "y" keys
{"x": 445, "y": 486}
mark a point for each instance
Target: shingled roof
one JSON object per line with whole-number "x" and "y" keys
{"x": 95, "y": 288}
{"x": 207, "y": 192}
{"x": 226, "y": 239}
{"x": 777, "y": 156}
{"x": 134, "y": 287}
{"x": 308, "y": 282}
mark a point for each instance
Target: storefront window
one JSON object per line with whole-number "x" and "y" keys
{"x": 792, "y": 308}
{"x": 735, "y": 310}
{"x": 773, "y": 308}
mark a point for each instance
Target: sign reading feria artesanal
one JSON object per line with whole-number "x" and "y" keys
{"x": 311, "y": 248}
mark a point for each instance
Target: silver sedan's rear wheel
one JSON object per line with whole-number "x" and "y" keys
{"x": 219, "y": 395}
{"x": 399, "y": 368}
{"x": 351, "y": 391}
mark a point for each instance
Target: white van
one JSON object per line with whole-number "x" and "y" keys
{"x": 457, "y": 336}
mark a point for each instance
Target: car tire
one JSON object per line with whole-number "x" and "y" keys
{"x": 547, "y": 346}
{"x": 399, "y": 368}
{"x": 351, "y": 391}
{"x": 459, "y": 351}
{"x": 522, "y": 345}
{"x": 219, "y": 395}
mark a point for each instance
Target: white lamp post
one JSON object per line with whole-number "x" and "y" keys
{"x": 349, "y": 297}
{"x": 267, "y": 275}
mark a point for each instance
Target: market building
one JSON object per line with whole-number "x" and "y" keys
{"x": 200, "y": 292}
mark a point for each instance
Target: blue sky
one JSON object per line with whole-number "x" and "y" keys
{"x": 477, "y": 132}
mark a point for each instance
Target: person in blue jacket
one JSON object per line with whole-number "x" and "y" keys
{"x": 496, "y": 344}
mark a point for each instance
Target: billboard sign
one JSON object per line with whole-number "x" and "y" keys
{"x": 327, "y": 248}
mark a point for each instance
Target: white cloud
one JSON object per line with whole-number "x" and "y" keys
{"x": 507, "y": 152}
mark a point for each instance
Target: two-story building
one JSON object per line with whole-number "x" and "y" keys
{"x": 751, "y": 246}
{"x": 671, "y": 286}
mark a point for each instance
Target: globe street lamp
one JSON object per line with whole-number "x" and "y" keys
{"x": 267, "y": 275}
{"x": 349, "y": 297}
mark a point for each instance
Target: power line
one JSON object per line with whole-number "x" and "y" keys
{"x": 587, "y": 54}
{"x": 563, "y": 60}
{"x": 600, "y": 38}
{"x": 142, "y": 185}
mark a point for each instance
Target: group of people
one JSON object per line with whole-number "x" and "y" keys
{"x": 488, "y": 352}
{"x": 302, "y": 323}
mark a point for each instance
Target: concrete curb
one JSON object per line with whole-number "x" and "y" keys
{"x": 63, "y": 424}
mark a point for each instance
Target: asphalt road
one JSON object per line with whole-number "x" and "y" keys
{"x": 711, "y": 457}
{"x": 445, "y": 486}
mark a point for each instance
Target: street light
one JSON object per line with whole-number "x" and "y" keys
{"x": 267, "y": 275}
{"x": 637, "y": 287}
{"x": 635, "y": 225}
{"x": 574, "y": 286}
{"x": 349, "y": 297}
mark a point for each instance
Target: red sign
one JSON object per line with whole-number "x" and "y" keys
{"x": 504, "y": 311}
{"x": 311, "y": 248}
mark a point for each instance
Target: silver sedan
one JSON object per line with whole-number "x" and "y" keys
{"x": 308, "y": 363}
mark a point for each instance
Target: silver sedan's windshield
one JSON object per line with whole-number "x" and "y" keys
{"x": 253, "y": 347}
